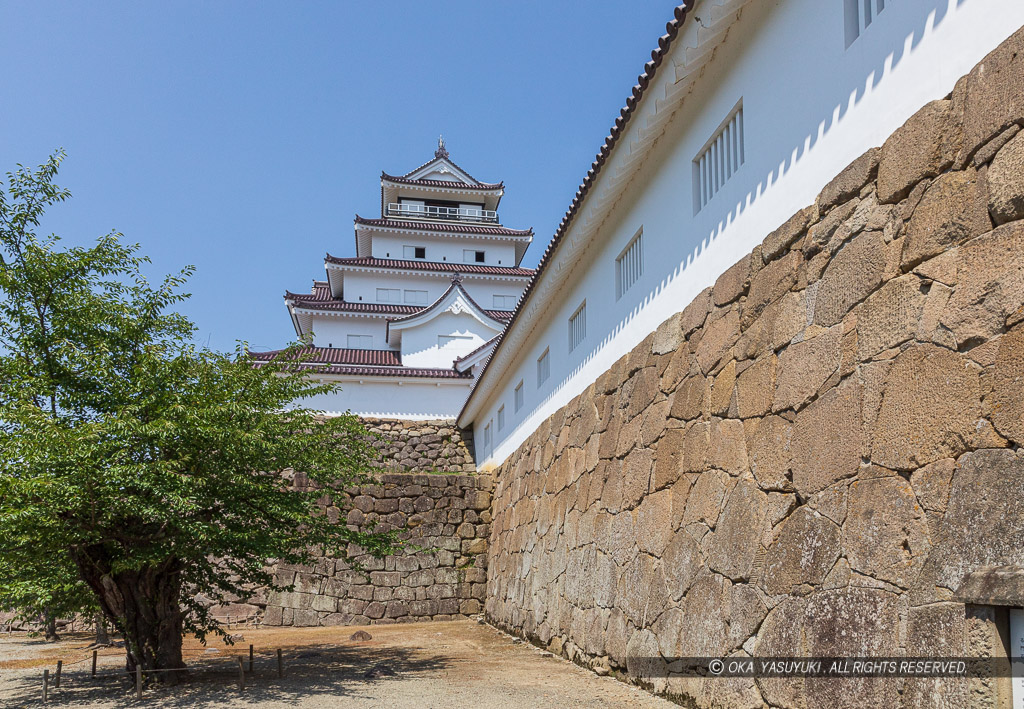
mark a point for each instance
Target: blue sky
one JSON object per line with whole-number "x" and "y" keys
{"x": 243, "y": 137}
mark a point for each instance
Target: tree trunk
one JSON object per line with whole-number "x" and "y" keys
{"x": 143, "y": 605}
{"x": 102, "y": 636}
{"x": 50, "y": 625}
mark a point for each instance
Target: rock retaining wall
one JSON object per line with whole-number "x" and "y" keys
{"x": 811, "y": 457}
{"x": 422, "y": 446}
{"x": 449, "y": 514}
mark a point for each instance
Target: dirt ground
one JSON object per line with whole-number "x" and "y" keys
{"x": 422, "y": 665}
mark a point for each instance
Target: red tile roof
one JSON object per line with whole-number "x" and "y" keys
{"x": 446, "y": 227}
{"x": 442, "y": 155}
{"x": 363, "y": 363}
{"x": 338, "y": 355}
{"x": 679, "y": 15}
{"x": 438, "y": 266}
{"x": 478, "y": 350}
{"x": 443, "y": 183}
{"x": 321, "y": 299}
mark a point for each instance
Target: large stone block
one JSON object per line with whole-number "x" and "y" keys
{"x": 922, "y": 147}
{"x": 828, "y": 439}
{"x": 930, "y": 408}
{"x": 755, "y": 388}
{"x": 780, "y": 240}
{"x": 954, "y": 209}
{"x": 737, "y": 536}
{"x": 1007, "y": 399}
{"x": 1006, "y": 182}
{"x": 681, "y": 562}
{"x": 850, "y": 277}
{"x": 654, "y": 522}
{"x": 989, "y": 293}
{"x": 848, "y": 183}
{"x": 769, "y": 453}
{"x": 890, "y": 316}
{"x": 727, "y": 449}
{"x": 992, "y": 95}
{"x": 852, "y": 622}
{"x": 690, "y": 398}
{"x": 982, "y": 524}
{"x": 885, "y": 535}
{"x": 769, "y": 285}
{"x": 805, "y": 550}
{"x": 804, "y": 367}
{"x": 732, "y": 283}
{"x": 718, "y": 337}
{"x": 705, "y": 630}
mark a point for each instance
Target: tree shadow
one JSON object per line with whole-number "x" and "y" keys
{"x": 341, "y": 671}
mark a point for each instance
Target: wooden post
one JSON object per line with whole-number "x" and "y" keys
{"x": 138, "y": 682}
{"x": 56, "y": 680}
{"x": 46, "y": 684}
{"x": 280, "y": 665}
{"x": 250, "y": 658}
{"x": 94, "y": 654}
{"x": 241, "y": 674}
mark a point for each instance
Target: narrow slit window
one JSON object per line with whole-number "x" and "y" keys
{"x": 858, "y": 16}
{"x": 578, "y": 326}
{"x": 629, "y": 265}
{"x": 518, "y": 397}
{"x": 543, "y": 367}
{"x": 501, "y": 417}
{"x": 719, "y": 159}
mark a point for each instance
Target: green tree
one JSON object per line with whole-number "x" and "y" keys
{"x": 160, "y": 470}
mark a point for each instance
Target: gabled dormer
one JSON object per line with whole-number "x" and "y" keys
{"x": 440, "y": 190}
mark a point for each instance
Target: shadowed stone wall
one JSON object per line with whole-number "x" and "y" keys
{"x": 422, "y": 446}
{"x": 811, "y": 457}
{"x": 449, "y": 514}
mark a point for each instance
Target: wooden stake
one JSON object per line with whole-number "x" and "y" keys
{"x": 250, "y": 659}
{"x": 280, "y": 665}
{"x": 46, "y": 684}
{"x": 138, "y": 682}
{"x": 241, "y": 674}
{"x": 94, "y": 654}
{"x": 56, "y": 680}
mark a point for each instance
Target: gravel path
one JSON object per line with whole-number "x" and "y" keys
{"x": 422, "y": 665}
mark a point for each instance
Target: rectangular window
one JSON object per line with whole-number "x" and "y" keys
{"x": 501, "y": 417}
{"x": 414, "y": 251}
{"x": 416, "y": 297}
{"x": 389, "y": 295}
{"x": 359, "y": 342}
{"x": 487, "y": 437}
{"x": 629, "y": 265}
{"x": 471, "y": 256}
{"x": 720, "y": 157}
{"x": 504, "y": 302}
{"x": 543, "y": 367}
{"x": 453, "y": 340}
{"x": 858, "y": 14}
{"x": 578, "y": 326}
{"x": 518, "y": 398}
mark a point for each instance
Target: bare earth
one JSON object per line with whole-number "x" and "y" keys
{"x": 422, "y": 665}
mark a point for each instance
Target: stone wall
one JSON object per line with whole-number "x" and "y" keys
{"x": 811, "y": 457}
{"x": 447, "y": 514}
{"x": 422, "y": 446}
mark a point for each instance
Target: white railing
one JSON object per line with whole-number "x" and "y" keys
{"x": 462, "y": 214}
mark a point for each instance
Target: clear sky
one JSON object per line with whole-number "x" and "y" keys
{"x": 242, "y": 137}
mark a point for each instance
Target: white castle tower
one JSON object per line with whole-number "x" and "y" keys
{"x": 404, "y": 323}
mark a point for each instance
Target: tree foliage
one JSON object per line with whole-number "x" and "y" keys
{"x": 156, "y": 469}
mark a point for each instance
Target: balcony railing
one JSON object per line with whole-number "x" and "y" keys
{"x": 458, "y": 214}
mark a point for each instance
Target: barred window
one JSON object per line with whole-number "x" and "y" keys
{"x": 719, "y": 159}
{"x": 578, "y": 326}
{"x": 519, "y": 396}
{"x": 629, "y": 265}
{"x": 858, "y": 15}
{"x": 543, "y": 367}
